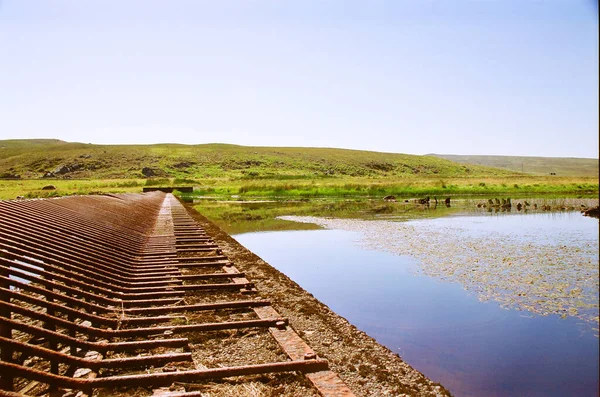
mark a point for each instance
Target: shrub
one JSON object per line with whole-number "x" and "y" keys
{"x": 181, "y": 181}
{"x": 158, "y": 181}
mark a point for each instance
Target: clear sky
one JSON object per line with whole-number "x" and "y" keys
{"x": 512, "y": 77}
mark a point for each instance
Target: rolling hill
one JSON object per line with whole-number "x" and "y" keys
{"x": 33, "y": 159}
{"x": 560, "y": 166}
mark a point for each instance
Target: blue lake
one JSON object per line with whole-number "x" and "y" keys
{"x": 473, "y": 348}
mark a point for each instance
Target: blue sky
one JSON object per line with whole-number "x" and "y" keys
{"x": 512, "y": 77}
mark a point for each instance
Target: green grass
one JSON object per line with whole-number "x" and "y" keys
{"x": 561, "y": 166}
{"x": 11, "y": 189}
{"x": 223, "y": 170}
{"x": 407, "y": 187}
{"x": 31, "y": 159}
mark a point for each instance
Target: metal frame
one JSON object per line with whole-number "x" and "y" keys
{"x": 105, "y": 274}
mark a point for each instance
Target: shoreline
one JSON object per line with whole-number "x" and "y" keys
{"x": 367, "y": 367}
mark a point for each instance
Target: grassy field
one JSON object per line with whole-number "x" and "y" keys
{"x": 561, "y": 166}
{"x": 26, "y": 166}
{"x": 33, "y": 159}
{"x": 405, "y": 187}
{"x": 347, "y": 187}
{"x": 10, "y": 189}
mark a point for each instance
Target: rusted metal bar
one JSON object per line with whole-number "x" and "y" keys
{"x": 121, "y": 333}
{"x": 17, "y": 251}
{"x": 163, "y": 379}
{"x": 248, "y": 287}
{"x": 50, "y": 276}
{"x": 197, "y": 247}
{"x": 102, "y": 347}
{"x": 184, "y": 251}
{"x": 56, "y": 237}
{"x": 200, "y": 307}
{"x": 127, "y": 362}
{"x": 68, "y": 298}
{"x": 189, "y": 240}
{"x": 114, "y": 261}
{"x": 89, "y": 232}
{"x": 6, "y": 353}
{"x": 212, "y": 258}
{"x": 138, "y": 213}
{"x": 73, "y": 314}
{"x": 207, "y": 276}
{"x": 211, "y": 287}
{"x": 327, "y": 382}
{"x": 111, "y": 302}
{"x": 78, "y": 237}
{"x": 188, "y": 265}
{"x": 18, "y": 262}
{"x": 15, "y": 243}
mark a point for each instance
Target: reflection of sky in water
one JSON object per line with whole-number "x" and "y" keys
{"x": 542, "y": 228}
{"x": 471, "y": 347}
{"x": 518, "y": 272}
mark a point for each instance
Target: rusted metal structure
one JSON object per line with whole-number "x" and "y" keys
{"x": 169, "y": 189}
{"x": 94, "y": 288}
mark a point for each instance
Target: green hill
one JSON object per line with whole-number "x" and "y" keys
{"x": 560, "y": 166}
{"x": 34, "y": 159}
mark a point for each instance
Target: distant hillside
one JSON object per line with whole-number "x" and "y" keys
{"x": 58, "y": 159}
{"x": 29, "y": 143}
{"x": 561, "y": 166}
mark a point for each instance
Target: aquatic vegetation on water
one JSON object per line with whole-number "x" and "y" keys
{"x": 553, "y": 272}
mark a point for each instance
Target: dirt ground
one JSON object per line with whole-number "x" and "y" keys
{"x": 367, "y": 367}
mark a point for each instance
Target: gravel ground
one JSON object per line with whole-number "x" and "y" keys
{"x": 367, "y": 367}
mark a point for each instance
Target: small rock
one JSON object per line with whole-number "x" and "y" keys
{"x": 81, "y": 372}
{"x": 148, "y": 172}
{"x": 62, "y": 169}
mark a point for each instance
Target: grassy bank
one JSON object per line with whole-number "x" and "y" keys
{"x": 408, "y": 187}
{"x": 403, "y": 188}
{"x": 34, "y": 188}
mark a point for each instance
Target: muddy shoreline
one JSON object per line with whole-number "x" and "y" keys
{"x": 367, "y": 367}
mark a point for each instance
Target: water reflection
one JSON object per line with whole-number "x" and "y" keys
{"x": 252, "y": 216}
{"x": 473, "y": 348}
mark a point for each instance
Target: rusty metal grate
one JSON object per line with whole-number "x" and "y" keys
{"x": 94, "y": 288}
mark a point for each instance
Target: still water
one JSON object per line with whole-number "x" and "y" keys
{"x": 442, "y": 323}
